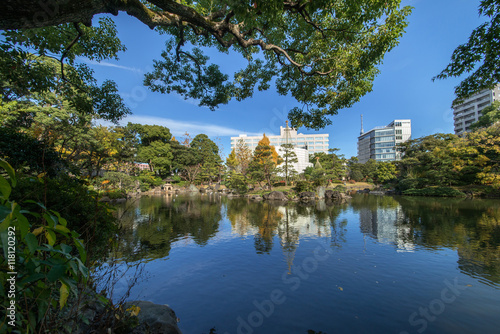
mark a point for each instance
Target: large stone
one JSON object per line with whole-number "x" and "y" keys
{"x": 192, "y": 188}
{"x": 154, "y": 318}
{"x": 336, "y": 195}
{"x": 307, "y": 196}
{"x": 275, "y": 195}
{"x": 320, "y": 191}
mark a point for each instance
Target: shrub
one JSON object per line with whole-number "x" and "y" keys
{"x": 409, "y": 183}
{"x": 238, "y": 182}
{"x": 356, "y": 175}
{"x": 340, "y": 188}
{"x": 434, "y": 191}
{"x": 71, "y": 197}
{"x": 301, "y": 186}
{"x": 115, "y": 194}
{"x": 120, "y": 180}
{"x": 49, "y": 262}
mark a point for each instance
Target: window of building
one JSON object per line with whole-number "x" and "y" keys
{"x": 398, "y": 132}
{"x": 399, "y": 137}
{"x": 387, "y": 138}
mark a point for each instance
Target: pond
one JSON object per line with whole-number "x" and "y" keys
{"x": 376, "y": 264}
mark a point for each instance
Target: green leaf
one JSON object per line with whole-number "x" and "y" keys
{"x": 8, "y": 168}
{"x": 81, "y": 250}
{"x": 61, "y": 220}
{"x": 32, "y": 242}
{"x": 51, "y": 237}
{"x": 32, "y": 278}
{"x": 63, "y": 295}
{"x": 62, "y": 228}
{"x": 51, "y": 220}
{"x": 37, "y": 203}
{"x": 66, "y": 249}
{"x": 23, "y": 224}
{"x": 5, "y": 223}
{"x": 5, "y": 188}
{"x": 56, "y": 273}
{"x": 4, "y": 239}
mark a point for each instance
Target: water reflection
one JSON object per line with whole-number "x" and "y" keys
{"x": 151, "y": 225}
{"x": 471, "y": 227}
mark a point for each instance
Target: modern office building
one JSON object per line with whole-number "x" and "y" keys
{"x": 469, "y": 111}
{"x": 380, "y": 142}
{"x": 312, "y": 143}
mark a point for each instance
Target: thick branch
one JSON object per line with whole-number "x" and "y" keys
{"x": 22, "y": 14}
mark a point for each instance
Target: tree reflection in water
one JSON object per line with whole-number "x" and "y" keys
{"x": 150, "y": 225}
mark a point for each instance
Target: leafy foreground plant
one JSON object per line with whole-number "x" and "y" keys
{"x": 45, "y": 283}
{"x": 43, "y": 262}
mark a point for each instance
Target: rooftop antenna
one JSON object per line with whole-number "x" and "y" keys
{"x": 362, "y": 131}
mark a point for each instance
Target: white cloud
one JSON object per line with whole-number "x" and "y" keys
{"x": 178, "y": 128}
{"x": 106, "y": 64}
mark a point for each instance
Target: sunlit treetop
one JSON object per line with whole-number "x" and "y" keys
{"x": 322, "y": 53}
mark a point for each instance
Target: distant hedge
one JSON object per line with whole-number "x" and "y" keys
{"x": 434, "y": 191}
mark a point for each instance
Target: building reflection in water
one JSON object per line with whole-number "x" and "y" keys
{"x": 387, "y": 225}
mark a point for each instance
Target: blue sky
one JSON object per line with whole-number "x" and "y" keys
{"x": 403, "y": 89}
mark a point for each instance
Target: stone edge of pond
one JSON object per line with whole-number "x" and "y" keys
{"x": 154, "y": 318}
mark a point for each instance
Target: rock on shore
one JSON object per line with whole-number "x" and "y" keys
{"x": 154, "y": 318}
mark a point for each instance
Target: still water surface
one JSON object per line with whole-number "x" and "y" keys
{"x": 373, "y": 265}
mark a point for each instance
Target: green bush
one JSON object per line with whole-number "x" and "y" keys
{"x": 434, "y": 191}
{"x": 47, "y": 258}
{"x": 238, "y": 182}
{"x": 409, "y": 183}
{"x": 120, "y": 180}
{"x": 115, "y": 193}
{"x": 71, "y": 197}
{"x": 301, "y": 186}
{"x": 340, "y": 188}
{"x": 356, "y": 175}
{"x": 148, "y": 180}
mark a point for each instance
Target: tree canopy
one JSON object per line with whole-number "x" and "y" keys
{"x": 324, "y": 53}
{"x": 479, "y": 55}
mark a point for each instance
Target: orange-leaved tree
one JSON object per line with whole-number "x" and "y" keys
{"x": 264, "y": 162}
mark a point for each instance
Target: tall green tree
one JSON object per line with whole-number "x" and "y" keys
{"x": 386, "y": 171}
{"x": 479, "y": 151}
{"x": 490, "y": 115}
{"x": 41, "y": 68}
{"x": 208, "y": 157}
{"x": 332, "y": 164}
{"x": 154, "y": 147}
{"x": 324, "y": 53}
{"x": 429, "y": 160}
{"x": 479, "y": 55}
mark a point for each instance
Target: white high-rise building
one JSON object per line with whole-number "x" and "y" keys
{"x": 380, "y": 142}
{"x": 303, "y": 144}
{"x": 312, "y": 143}
{"x": 469, "y": 111}
{"x": 302, "y": 158}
